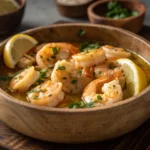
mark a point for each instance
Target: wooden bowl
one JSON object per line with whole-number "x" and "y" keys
{"x": 80, "y": 125}
{"x": 73, "y": 10}
{"x": 10, "y": 21}
{"x": 97, "y": 10}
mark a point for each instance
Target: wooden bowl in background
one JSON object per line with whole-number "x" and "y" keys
{"x": 79, "y": 125}
{"x": 10, "y": 21}
{"x": 97, "y": 10}
{"x": 73, "y": 10}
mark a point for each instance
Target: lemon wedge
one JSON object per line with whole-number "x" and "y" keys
{"x": 136, "y": 79}
{"x": 16, "y": 47}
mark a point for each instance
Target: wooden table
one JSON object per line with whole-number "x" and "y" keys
{"x": 138, "y": 139}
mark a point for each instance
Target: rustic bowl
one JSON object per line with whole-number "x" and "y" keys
{"x": 80, "y": 125}
{"x": 10, "y": 21}
{"x": 73, "y": 10}
{"x": 97, "y": 10}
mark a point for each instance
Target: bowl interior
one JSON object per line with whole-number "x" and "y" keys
{"x": 102, "y": 34}
{"x": 101, "y": 7}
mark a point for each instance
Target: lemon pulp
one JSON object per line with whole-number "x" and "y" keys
{"x": 136, "y": 79}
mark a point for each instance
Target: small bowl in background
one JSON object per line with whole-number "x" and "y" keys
{"x": 97, "y": 10}
{"x": 78, "y": 10}
{"x": 10, "y": 21}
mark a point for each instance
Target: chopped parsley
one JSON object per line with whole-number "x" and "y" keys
{"x": 81, "y": 32}
{"x": 34, "y": 97}
{"x": 99, "y": 97}
{"x": 61, "y": 68}
{"x": 42, "y": 76}
{"x": 79, "y": 72}
{"x": 5, "y": 78}
{"x": 81, "y": 104}
{"x": 116, "y": 11}
{"x": 74, "y": 81}
{"x": 34, "y": 91}
{"x": 84, "y": 47}
{"x": 55, "y": 50}
{"x": 43, "y": 73}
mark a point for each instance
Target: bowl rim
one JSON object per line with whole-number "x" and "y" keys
{"x": 16, "y": 101}
{"x": 77, "y": 5}
{"x": 96, "y": 3}
{"x": 15, "y": 11}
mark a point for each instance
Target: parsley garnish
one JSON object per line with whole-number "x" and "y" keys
{"x": 5, "y": 78}
{"x": 81, "y": 104}
{"x": 34, "y": 91}
{"x": 99, "y": 97}
{"x": 42, "y": 76}
{"x": 116, "y": 11}
{"x": 55, "y": 50}
{"x": 79, "y": 72}
{"x": 74, "y": 81}
{"x": 81, "y": 32}
{"x": 61, "y": 68}
{"x": 86, "y": 46}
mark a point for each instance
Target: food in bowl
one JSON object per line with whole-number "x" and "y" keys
{"x": 71, "y": 75}
{"x": 116, "y": 11}
{"x": 8, "y": 6}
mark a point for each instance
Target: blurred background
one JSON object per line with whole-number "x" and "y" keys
{"x": 44, "y": 12}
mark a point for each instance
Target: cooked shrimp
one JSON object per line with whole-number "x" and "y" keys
{"x": 110, "y": 68}
{"x": 73, "y": 79}
{"x": 52, "y": 52}
{"x": 103, "y": 91}
{"x": 22, "y": 81}
{"x": 47, "y": 94}
{"x": 89, "y": 58}
{"x": 117, "y": 52}
{"x": 26, "y": 61}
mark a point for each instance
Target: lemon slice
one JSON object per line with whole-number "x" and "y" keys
{"x": 136, "y": 79}
{"x": 16, "y": 47}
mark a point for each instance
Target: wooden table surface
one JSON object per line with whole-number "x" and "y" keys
{"x": 138, "y": 139}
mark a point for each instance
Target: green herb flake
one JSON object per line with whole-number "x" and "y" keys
{"x": 81, "y": 104}
{"x": 99, "y": 97}
{"x": 55, "y": 50}
{"x": 81, "y": 32}
{"x": 43, "y": 73}
{"x": 85, "y": 47}
{"x": 116, "y": 11}
{"x": 5, "y": 78}
{"x": 34, "y": 97}
{"x": 34, "y": 91}
{"x": 79, "y": 72}
{"x": 74, "y": 81}
{"x": 61, "y": 68}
